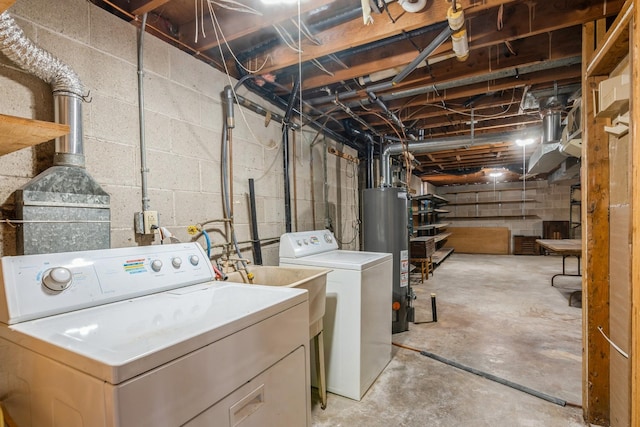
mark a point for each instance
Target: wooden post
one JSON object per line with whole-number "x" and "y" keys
{"x": 634, "y": 109}
{"x": 595, "y": 248}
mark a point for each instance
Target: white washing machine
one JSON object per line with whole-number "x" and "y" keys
{"x": 358, "y": 314}
{"x": 142, "y": 337}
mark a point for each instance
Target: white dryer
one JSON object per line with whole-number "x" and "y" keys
{"x": 142, "y": 337}
{"x": 358, "y": 314}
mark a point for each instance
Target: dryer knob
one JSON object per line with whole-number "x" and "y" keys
{"x": 176, "y": 262}
{"x": 57, "y": 279}
{"x": 156, "y": 265}
{"x": 194, "y": 260}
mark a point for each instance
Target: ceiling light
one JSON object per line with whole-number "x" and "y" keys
{"x": 495, "y": 174}
{"x": 523, "y": 142}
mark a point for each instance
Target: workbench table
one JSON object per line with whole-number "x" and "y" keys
{"x": 566, "y": 248}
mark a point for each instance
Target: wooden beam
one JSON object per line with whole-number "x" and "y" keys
{"x": 235, "y": 25}
{"x": 482, "y": 37}
{"x": 354, "y": 33}
{"x": 635, "y": 226}
{"x": 140, "y": 7}
{"x": 614, "y": 47}
{"x": 6, "y": 4}
{"x": 595, "y": 252}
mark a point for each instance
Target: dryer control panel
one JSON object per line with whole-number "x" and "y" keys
{"x": 36, "y": 286}
{"x": 305, "y": 243}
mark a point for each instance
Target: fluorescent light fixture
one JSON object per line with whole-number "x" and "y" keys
{"x": 495, "y": 174}
{"x": 276, "y": 2}
{"x": 523, "y": 142}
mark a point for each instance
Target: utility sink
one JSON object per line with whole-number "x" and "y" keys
{"x": 313, "y": 280}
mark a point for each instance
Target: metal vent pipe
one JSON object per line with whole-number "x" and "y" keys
{"x": 66, "y": 85}
{"x": 438, "y": 144}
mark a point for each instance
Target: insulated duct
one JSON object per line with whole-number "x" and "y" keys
{"x": 438, "y": 144}
{"x": 63, "y": 208}
{"x": 65, "y": 83}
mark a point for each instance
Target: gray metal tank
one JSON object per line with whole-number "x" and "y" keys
{"x": 385, "y": 224}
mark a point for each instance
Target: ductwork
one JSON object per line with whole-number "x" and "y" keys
{"x": 66, "y": 85}
{"x": 63, "y": 208}
{"x": 438, "y": 144}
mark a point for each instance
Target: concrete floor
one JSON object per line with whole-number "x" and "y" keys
{"x": 497, "y": 314}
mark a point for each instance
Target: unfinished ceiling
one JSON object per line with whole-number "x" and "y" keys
{"x": 351, "y": 76}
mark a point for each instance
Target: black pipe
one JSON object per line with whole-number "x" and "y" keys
{"x": 285, "y": 154}
{"x": 492, "y": 377}
{"x": 370, "y": 182}
{"x": 434, "y": 312}
{"x": 257, "y": 249}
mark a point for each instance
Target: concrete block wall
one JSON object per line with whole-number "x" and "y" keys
{"x": 183, "y": 125}
{"x": 551, "y": 204}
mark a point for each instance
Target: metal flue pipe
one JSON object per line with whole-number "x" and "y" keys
{"x": 438, "y": 144}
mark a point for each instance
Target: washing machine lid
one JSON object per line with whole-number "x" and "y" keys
{"x": 340, "y": 259}
{"x": 117, "y": 341}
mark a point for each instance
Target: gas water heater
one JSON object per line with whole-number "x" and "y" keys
{"x": 385, "y": 219}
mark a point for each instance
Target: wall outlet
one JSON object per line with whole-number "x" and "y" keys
{"x": 151, "y": 222}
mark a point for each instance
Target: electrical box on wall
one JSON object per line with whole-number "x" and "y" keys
{"x": 614, "y": 95}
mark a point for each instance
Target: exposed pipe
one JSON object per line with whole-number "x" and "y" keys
{"x": 431, "y": 47}
{"x": 65, "y": 83}
{"x": 141, "y": 118}
{"x": 496, "y": 75}
{"x": 257, "y": 250}
{"x": 389, "y": 113}
{"x": 370, "y": 182}
{"x": 280, "y": 103}
{"x": 435, "y": 43}
{"x": 438, "y": 144}
{"x": 285, "y": 154}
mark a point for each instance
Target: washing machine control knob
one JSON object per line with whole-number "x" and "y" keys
{"x": 57, "y": 279}
{"x": 327, "y": 238}
{"x": 156, "y": 265}
{"x": 299, "y": 242}
{"x": 194, "y": 260}
{"x": 176, "y": 262}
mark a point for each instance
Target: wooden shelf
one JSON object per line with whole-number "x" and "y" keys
{"x": 497, "y": 202}
{"x": 17, "y": 133}
{"x": 433, "y": 197}
{"x": 441, "y": 254}
{"x": 487, "y": 191}
{"x": 440, "y": 237}
{"x": 496, "y": 217}
{"x": 6, "y": 4}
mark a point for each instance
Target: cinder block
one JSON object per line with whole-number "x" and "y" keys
{"x": 157, "y": 131}
{"x": 273, "y": 209}
{"x": 162, "y": 201}
{"x": 171, "y": 99}
{"x": 114, "y": 120}
{"x": 69, "y": 17}
{"x": 112, "y": 35}
{"x": 210, "y": 179}
{"x": 124, "y": 201}
{"x": 172, "y": 172}
{"x": 17, "y": 164}
{"x": 156, "y": 56}
{"x": 193, "y": 207}
{"x": 111, "y": 163}
{"x": 195, "y": 74}
{"x": 191, "y": 140}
